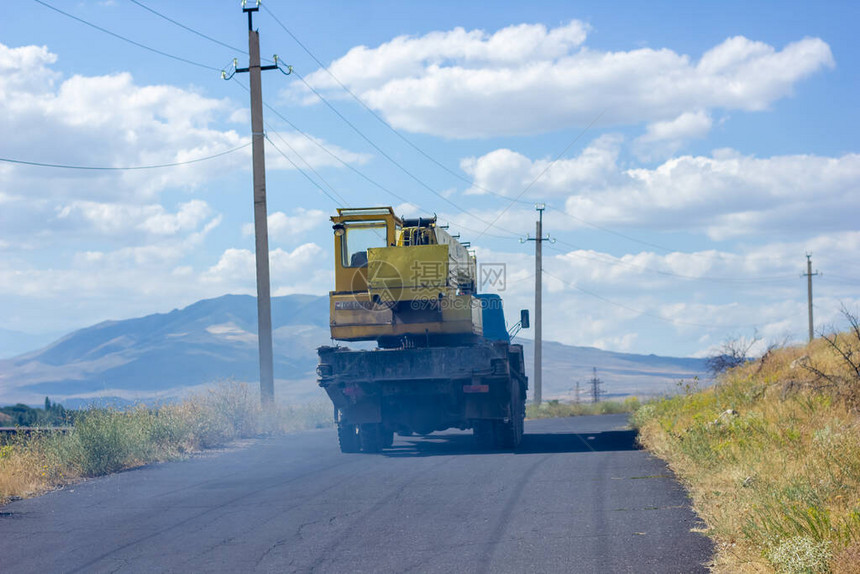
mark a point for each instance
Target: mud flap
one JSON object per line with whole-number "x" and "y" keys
{"x": 367, "y": 411}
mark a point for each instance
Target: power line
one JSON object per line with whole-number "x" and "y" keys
{"x": 389, "y": 126}
{"x": 328, "y": 151}
{"x": 192, "y": 30}
{"x": 382, "y": 120}
{"x": 352, "y": 168}
{"x": 301, "y": 171}
{"x": 106, "y": 168}
{"x": 308, "y": 165}
{"x": 428, "y": 156}
{"x": 435, "y": 161}
{"x": 546, "y": 169}
{"x": 392, "y": 160}
{"x": 124, "y": 39}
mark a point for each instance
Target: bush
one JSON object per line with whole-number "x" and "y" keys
{"x": 102, "y": 442}
{"x": 107, "y": 440}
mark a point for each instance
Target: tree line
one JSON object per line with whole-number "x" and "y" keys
{"x": 53, "y": 414}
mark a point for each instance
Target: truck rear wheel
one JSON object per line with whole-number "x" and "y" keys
{"x": 347, "y": 437}
{"x": 370, "y": 436}
{"x": 511, "y": 433}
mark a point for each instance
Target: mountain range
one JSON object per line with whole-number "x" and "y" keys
{"x": 165, "y": 355}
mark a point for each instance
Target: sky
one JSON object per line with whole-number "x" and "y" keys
{"x": 689, "y": 156}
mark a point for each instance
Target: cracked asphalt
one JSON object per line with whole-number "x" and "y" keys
{"x": 576, "y": 497}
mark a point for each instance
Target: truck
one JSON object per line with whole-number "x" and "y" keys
{"x": 441, "y": 355}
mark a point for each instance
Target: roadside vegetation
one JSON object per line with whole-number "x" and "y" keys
{"x": 23, "y": 415}
{"x": 102, "y": 441}
{"x": 555, "y": 408}
{"x": 771, "y": 456}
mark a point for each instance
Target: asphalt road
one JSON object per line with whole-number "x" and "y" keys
{"x": 577, "y": 497}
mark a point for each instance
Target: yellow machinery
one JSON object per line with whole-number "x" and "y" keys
{"x": 443, "y": 357}
{"x": 398, "y": 281}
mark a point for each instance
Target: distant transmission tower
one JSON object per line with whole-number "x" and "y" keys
{"x": 576, "y": 398}
{"x": 595, "y": 383}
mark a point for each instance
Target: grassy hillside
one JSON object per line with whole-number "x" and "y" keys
{"x": 771, "y": 456}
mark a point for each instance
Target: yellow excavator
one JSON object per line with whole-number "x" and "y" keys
{"x": 443, "y": 357}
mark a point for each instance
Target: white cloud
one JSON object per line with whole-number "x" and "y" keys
{"x": 726, "y": 195}
{"x": 527, "y": 79}
{"x": 687, "y": 125}
{"x": 120, "y": 219}
{"x": 511, "y": 173}
{"x": 133, "y": 281}
{"x": 595, "y": 298}
{"x": 112, "y": 121}
{"x": 662, "y": 139}
{"x": 236, "y": 268}
{"x": 283, "y": 227}
{"x": 232, "y": 264}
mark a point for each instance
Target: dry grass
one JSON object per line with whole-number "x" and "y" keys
{"x": 107, "y": 440}
{"x": 771, "y": 456}
{"x": 554, "y": 408}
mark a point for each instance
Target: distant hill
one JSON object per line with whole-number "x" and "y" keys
{"x": 163, "y": 355}
{"x": 622, "y": 374}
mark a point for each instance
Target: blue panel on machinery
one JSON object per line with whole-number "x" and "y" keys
{"x": 493, "y": 316}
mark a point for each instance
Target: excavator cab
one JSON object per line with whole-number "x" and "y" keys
{"x": 398, "y": 280}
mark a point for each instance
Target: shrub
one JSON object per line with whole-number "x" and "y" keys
{"x": 107, "y": 440}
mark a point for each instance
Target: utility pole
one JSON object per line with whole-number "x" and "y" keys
{"x": 809, "y": 274}
{"x": 538, "y": 239}
{"x": 261, "y": 226}
{"x": 595, "y": 386}
{"x": 576, "y": 397}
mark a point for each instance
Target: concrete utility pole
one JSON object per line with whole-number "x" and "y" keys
{"x": 809, "y": 274}
{"x": 538, "y": 239}
{"x": 261, "y": 226}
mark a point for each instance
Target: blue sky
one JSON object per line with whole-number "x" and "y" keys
{"x": 689, "y": 155}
